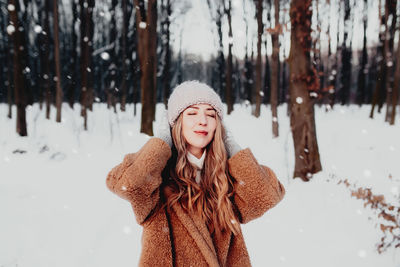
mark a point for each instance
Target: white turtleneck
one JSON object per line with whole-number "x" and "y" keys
{"x": 197, "y": 162}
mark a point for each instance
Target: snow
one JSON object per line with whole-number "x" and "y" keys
{"x": 11, "y": 7}
{"x": 57, "y": 211}
{"x": 10, "y": 29}
{"x": 142, "y": 25}
{"x": 38, "y": 29}
{"x": 299, "y": 100}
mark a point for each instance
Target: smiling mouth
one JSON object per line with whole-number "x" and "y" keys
{"x": 201, "y": 133}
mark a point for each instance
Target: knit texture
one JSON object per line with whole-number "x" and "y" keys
{"x": 175, "y": 237}
{"x": 190, "y": 93}
{"x": 163, "y": 130}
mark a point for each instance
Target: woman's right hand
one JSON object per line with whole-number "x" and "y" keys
{"x": 163, "y": 130}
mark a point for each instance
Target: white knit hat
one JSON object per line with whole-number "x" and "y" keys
{"x": 190, "y": 93}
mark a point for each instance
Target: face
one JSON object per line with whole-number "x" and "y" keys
{"x": 198, "y": 127}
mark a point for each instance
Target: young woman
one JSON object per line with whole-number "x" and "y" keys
{"x": 191, "y": 186}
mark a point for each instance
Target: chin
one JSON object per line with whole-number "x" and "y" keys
{"x": 199, "y": 143}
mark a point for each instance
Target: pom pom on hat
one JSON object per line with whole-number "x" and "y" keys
{"x": 190, "y": 93}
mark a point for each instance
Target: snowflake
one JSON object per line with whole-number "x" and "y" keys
{"x": 10, "y": 29}
{"x": 11, "y": 7}
{"x": 299, "y": 100}
{"x": 38, "y": 29}
{"x": 105, "y": 56}
{"x": 142, "y": 25}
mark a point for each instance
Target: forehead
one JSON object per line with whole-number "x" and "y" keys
{"x": 201, "y": 106}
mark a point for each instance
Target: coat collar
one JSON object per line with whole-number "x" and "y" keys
{"x": 201, "y": 235}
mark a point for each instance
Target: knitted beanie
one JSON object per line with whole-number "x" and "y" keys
{"x": 190, "y": 93}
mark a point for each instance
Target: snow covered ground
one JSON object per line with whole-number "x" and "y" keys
{"x": 55, "y": 209}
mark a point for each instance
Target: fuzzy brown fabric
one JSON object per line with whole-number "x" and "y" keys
{"x": 176, "y": 238}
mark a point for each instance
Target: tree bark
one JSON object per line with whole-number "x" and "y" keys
{"x": 275, "y": 71}
{"x": 146, "y": 23}
{"x": 20, "y": 94}
{"x": 46, "y": 60}
{"x": 378, "y": 96}
{"x": 396, "y": 86}
{"x": 346, "y": 53}
{"x": 229, "y": 67}
{"x": 86, "y": 7}
{"x": 166, "y": 70}
{"x": 59, "y": 93}
{"x": 302, "y": 80}
{"x": 260, "y": 31}
{"x": 124, "y": 58}
{"x": 73, "y": 59}
{"x": 389, "y": 58}
{"x": 361, "y": 83}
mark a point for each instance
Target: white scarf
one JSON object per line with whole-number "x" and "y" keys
{"x": 197, "y": 162}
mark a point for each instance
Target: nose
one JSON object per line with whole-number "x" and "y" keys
{"x": 203, "y": 119}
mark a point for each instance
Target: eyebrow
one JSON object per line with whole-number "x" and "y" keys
{"x": 207, "y": 108}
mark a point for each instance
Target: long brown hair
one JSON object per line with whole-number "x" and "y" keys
{"x": 211, "y": 197}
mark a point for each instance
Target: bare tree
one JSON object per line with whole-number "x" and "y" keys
{"x": 86, "y": 11}
{"x": 389, "y": 44}
{"x": 396, "y": 85}
{"x": 303, "y": 80}
{"x": 275, "y": 70}
{"x": 361, "y": 82}
{"x": 59, "y": 93}
{"x": 125, "y": 60}
{"x": 18, "y": 38}
{"x": 379, "y": 91}
{"x": 73, "y": 58}
{"x": 260, "y": 31}
{"x": 229, "y": 67}
{"x": 146, "y": 23}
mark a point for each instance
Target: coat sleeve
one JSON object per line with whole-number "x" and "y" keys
{"x": 256, "y": 187}
{"x": 138, "y": 177}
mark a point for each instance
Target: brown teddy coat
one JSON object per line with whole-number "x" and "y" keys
{"x": 176, "y": 238}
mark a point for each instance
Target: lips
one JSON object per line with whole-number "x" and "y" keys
{"x": 201, "y": 132}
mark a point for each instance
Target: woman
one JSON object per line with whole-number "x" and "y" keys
{"x": 190, "y": 191}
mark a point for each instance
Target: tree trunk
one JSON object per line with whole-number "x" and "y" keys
{"x": 124, "y": 58}
{"x": 73, "y": 59}
{"x": 346, "y": 52}
{"x": 389, "y": 58}
{"x": 361, "y": 83}
{"x": 260, "y": 31}
{"x": 275, "y": 72}
{"x": 9, "y": 76}
{"x": 166, "y": 70}
{"x": 46, "y": 60}
{"x": 86, "y": 44}
{"x": 267, "y": 77}
{"x": 377, "y": 97}
{"x": 146, "y": 23}
{"x": 302, "y": 79}
{"x": 59, "y": 93}
{"x": 229, "y": 67}
{"x": 20, "y": 95}
{"x": 396, "y": 86}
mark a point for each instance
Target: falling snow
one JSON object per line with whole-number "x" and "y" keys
{"x": 38, "y": 29}
{"x": 142, "y": 25}
{"x": 10, "y": 29}
{"x": 11, "y": 7}
{"x": 109, "y": 234}
{"x": 299, "y": 100}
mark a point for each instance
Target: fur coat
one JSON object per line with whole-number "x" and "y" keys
{"x": 173, "y": 237}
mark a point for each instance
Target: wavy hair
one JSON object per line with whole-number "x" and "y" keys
{"x": 211, "y": 197}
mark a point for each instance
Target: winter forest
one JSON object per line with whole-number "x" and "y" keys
{"x": 311, "y": 86}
